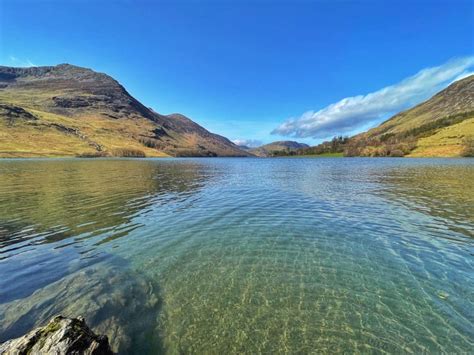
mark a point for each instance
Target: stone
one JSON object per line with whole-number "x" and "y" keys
{"x": 60, "y": 336}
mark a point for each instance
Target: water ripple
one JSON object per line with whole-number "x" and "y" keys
{"x": 243, "y": 255}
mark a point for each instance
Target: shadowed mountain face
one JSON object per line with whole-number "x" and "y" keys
{"x": 67, "y": 110}
{"x": 273, "y": 148}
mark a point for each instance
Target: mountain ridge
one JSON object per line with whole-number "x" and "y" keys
{"x": 450, "y": 110}
{"x": 441, "y": 126}
{"x": 80, "y": 110}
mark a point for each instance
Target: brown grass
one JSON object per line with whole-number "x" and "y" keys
{"x": 447, "y": 142}
{"x": 42, "y": 138}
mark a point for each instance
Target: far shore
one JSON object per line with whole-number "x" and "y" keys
{"x": 309, "y": 156}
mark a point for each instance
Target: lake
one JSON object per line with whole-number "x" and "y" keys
{"x": 242, "y": 255}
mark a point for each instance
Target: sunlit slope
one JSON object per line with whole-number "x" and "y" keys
{"x": 51, "y": 135}
{"x": 456, "y": 99}
{"x": 441, "y": 126}
{"x": 450, "y": 141}
{"x": 71, "y": 111}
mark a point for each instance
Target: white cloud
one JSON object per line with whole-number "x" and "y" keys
{"x": 252, "y": 143}
{"x": 17, "y": 62}
{"x": 355, "y": 112}
{"x": 463, "y": 75}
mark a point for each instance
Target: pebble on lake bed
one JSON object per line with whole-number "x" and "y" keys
{"x": 443, "y": 295}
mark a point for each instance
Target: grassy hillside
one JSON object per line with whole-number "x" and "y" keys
{"x": 52, "y": 135}
{"x": 441, "y": 126}
{"x": 71, "y": 111}
{"x": 451, "y": 141}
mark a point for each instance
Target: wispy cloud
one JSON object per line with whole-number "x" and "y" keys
{"x": 355, "y": 112}
{"x": 17, "y": 62}
{"x": 463, "y": 75}
{"x": 252, "y": 143}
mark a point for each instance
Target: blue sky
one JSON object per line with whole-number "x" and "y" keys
{"x": 245, "y": 69}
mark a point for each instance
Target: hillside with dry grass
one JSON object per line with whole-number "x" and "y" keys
{"x": 442, "y": 126}
{"x": 67, "y": 110}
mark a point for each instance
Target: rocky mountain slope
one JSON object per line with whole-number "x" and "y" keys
{"x": 440, "y": 126}
{"x": 277, "y": 148}
{"x": 66, "y": 110}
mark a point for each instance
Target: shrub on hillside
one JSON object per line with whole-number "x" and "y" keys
{"x": 468, "y": 148}
{"x": 93, "y": 155}
{"x": 128, "y": 153}
{"x": 150, "y": 143}
{"x": 396, "y": 153}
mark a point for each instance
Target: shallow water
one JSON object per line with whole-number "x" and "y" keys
{"x": 243, "y": 255}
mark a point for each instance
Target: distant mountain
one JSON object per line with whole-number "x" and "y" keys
{"x": 442, "y": 126}
{"x": 66, "y": 110}
{"x": 244, "y": 147}
{"x": 277, "y": 148}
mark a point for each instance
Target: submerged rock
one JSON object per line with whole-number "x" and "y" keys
{"x": 60, "y": 336}
{"x": 116, "y": 301}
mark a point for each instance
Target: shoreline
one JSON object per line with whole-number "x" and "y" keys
{"x": 321, "y": 156}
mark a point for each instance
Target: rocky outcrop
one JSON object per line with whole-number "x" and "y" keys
{"x": 14, "y": 113}
{"x": 60, "y": 336}
{"x": 116, "y": 302}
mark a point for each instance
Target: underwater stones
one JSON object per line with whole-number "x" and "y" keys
{"x": 60, "y": 336}
{"x": 443, "y": 295}
{"x": 117, "y": 302}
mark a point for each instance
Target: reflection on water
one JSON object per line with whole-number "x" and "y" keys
{"x": 76, "y": 205}
{"x": 242, "y": 255}
{"x": 447, "y": 195}
{"x": 84, "y": 198}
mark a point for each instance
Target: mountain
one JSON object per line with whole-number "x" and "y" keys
{"x": 441, "y": 126}
{"x": 244, "y": 147}
{"x": 277, "y": 148}
{"x": 66, "y": 110}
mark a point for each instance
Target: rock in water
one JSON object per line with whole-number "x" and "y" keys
{"x": 60, "y": 336}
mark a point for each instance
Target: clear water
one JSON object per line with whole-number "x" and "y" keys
{"x": 243, "y": 255}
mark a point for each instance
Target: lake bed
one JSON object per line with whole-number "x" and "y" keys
{"x": 242, "y": 255}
